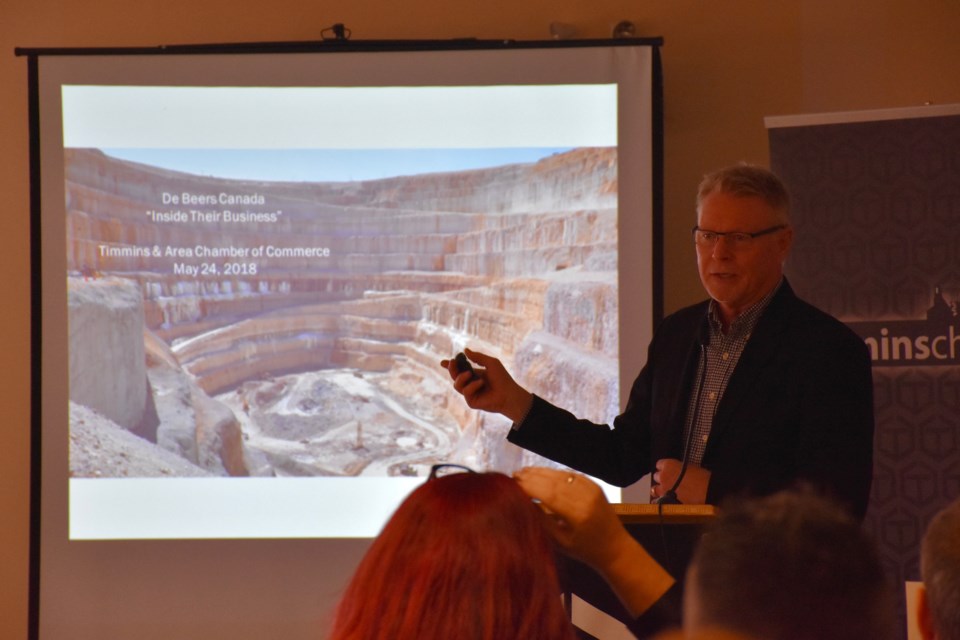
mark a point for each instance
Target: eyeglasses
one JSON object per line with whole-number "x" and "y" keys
{"x": 735, "y": 239}
{"x": 447, "y": 469}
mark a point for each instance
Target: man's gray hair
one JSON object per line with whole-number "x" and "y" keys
{"x": 746, "y": 180}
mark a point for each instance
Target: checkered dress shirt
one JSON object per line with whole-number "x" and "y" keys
{"x": 716, "y": 364}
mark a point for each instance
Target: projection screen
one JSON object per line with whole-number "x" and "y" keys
{"x": 248, "y": 262}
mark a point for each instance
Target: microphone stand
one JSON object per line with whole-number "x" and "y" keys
{"x": 670, "y": 496}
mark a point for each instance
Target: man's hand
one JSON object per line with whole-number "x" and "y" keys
{"x": 491, "y": 388}
{"x": 693, "y": 487}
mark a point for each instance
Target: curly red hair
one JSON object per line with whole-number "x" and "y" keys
{"x": 464, "y": 556}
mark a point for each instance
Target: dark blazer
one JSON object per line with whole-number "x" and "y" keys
{"x": 798, "y": 406}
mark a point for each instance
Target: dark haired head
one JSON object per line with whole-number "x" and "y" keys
{"x": 791, "y": 566}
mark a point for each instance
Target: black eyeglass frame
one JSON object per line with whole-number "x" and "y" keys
{"x": 447, "y": 465}
{"x": 738, "y": 237}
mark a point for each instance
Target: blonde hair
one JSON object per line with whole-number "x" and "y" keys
{"x": 940, "y": 568}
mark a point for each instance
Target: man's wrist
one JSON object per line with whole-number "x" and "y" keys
{"x": 523, "y": 413}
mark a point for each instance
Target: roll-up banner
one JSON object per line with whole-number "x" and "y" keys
{"x": 876, "y": 209}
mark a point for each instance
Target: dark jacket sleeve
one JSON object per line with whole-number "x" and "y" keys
{"x": 618, "y": 456}
{"x": 646, "y": 430}
{"x": 663, "y": 615}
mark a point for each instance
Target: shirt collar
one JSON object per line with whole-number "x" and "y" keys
{"x": 744, "y": 323}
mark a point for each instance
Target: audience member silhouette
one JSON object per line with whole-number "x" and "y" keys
{"x": 465, "y": 556}
{"x": 789, "y": 566}
{"x": 938, "y": 607}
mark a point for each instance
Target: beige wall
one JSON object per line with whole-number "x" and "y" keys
{"x": 727, "y": 64}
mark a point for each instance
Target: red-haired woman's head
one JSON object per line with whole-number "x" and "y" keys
{"x": 464, "y": 556}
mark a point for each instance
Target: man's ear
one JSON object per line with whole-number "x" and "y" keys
{"x": 786, "y": 240}
{"x": 924, "y": 616}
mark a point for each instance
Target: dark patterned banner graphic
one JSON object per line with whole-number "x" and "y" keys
{"x": 876, "y": 209}
{"x": 930, "y": 341}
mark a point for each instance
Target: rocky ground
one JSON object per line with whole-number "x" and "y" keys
{"x": 100, "y": 448}
{"x": 342, "y": 422}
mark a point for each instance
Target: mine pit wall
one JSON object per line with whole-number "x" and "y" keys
{"x": 584, "y": 314}
{"x": 387, "y": 223}
{"x": 219, "y": 437}
{"x": 307, "y": 337}
{"x": 381, "y": 327}
{"x": 107, "y": 367}
{"x": 176, "y": 309}
{"x": 516, "y": 233}
{"x": 484, "y": 253}
{"x": 437, "y": 232}
{"x": 279, "y": 344}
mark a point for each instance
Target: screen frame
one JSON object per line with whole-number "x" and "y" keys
{"x": 34, "y": 56}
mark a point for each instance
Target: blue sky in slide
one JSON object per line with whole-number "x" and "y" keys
{"x": 327, "y": 165}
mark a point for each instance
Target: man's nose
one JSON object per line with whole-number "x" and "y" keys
{"x": 723, "y": 247}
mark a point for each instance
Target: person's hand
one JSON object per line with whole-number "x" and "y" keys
{"x": 585, "y": 525}
{"x": 693, "y": 487}
{"x": 580, "y": 517}
{"x": 491, "y": 388}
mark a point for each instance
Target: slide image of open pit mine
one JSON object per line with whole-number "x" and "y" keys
{"x": 277, "y": 328}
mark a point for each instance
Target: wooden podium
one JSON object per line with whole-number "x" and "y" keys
{"x": 668, "y": 532}
{"x": 680, "y": 514}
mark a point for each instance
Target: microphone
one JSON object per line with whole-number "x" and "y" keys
{"x": 703, "y": 340}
